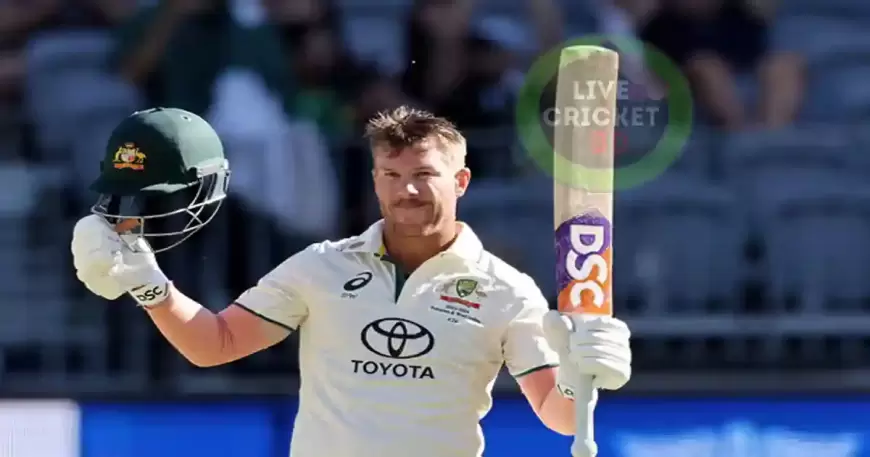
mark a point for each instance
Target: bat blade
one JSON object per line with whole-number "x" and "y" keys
{"x": 583, "y": 139}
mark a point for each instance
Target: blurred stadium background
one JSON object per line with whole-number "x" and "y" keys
{"x": 744, "y": 270}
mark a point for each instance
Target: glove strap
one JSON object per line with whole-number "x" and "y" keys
{"x": 152, "y": 293}
{"x": 566, "y": 391}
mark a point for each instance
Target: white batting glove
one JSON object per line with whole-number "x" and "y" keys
{"x": 596, "y": 346}
{"x": 109, "y": 264}
{"x": 93, "y": 247}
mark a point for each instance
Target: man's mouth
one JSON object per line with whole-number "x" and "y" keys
{"x": 413, "y": 205}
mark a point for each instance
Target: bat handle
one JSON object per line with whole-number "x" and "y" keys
{"x": 585, "y": 399}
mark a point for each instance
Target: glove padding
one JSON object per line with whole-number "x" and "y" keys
{"x": 596, "y": 346}
{"x": 94, "y": 247}
{"x": 110, "y": 264}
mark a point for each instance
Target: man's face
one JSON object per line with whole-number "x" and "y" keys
{"x": 417, "y": 188}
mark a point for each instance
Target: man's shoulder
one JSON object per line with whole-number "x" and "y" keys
{"x": 508, "y": 276}
{"x": 314, "y": 262}
{"x": 330, "y": 248}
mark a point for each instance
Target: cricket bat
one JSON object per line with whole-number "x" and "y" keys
{"x": 586, "y": 94}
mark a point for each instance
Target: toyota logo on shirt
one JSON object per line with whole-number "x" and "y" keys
{"x": 396, "y": 338}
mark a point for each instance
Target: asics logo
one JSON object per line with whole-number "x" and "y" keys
{"x": 358, "y": 282}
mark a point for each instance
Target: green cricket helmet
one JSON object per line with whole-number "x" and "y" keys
{"x": 164, "y": 168}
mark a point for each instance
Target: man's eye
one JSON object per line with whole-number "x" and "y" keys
{"x": 424, "y": 174}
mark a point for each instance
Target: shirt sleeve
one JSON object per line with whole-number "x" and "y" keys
{"x": 280, "y": 297}
{"x": 524, "y": 347}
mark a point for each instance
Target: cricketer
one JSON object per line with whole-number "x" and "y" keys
{"x": 403, "y": 328}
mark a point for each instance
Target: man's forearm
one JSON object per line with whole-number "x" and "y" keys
{"x": 197, "y": 333}
{"x": 557, "y": 413}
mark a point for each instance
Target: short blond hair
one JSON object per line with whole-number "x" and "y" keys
{"x": 405, "y": 127}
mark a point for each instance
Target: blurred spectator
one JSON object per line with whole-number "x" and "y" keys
{"x": 624, "y": 19}
{"x": 324, "y": 81}
{"x": 11, "y": 72}
{"x": 66, "y": 76}
{"x": 436, "y": 44}
{"x": 485, "y": 95}
{"x": 469, "y": 71}
{"x": 84, "y": 14}
{"x": 621, "y": 17}
{"x": 282, "y": 106}
{"x": 173, "y": 51}
{"x": 17, "y": 19}
{"x": 295, "y": 17}
{"x": 721, "y": 44}
{"x": 294, "y": 48}
{"x": 443, "y": 45}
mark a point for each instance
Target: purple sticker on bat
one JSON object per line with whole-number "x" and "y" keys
{"x": 584, "y": 263}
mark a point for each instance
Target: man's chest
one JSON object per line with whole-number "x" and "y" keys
{"x": 387, "y": 324}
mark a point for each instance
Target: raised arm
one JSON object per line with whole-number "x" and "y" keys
{"x": 264, "y": 315}
{"x": 537, "y": 339}
{"x": 207, "y": 339}
{"x": 533, "y": 363}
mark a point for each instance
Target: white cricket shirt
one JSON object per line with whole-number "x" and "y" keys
{"x": 398, "y": 367}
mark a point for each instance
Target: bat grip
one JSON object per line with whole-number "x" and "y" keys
{"x": 585, "y": 399}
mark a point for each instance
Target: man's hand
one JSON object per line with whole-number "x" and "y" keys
{"x": 110, "y": 264}
{"x": 596, "y": 346}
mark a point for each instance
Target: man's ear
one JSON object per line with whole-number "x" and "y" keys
{"x": 463, "y": 178}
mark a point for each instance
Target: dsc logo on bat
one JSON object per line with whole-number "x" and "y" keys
{"x": 584, "y": 264}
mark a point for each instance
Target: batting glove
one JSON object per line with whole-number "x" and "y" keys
{"x": 596, "y": 346}
{"x": 110, "y": 264}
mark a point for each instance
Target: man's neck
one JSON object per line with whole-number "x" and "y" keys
{"x": 410, "y": 252}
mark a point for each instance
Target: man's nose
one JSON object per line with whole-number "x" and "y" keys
{"x": 408, "y": 190}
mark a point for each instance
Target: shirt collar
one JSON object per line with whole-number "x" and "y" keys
{"x": 467, "y": 245}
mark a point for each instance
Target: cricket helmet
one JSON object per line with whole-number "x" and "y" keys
{"x": 165, "y": 169}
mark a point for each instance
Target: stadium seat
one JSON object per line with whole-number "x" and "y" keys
{"x": 840, "y": 93}
{"x": 837, "y": 89}
{"x": 696, "y": 158}
{"x": 64, "y": 50}
{"x": 764, "y": 165}
{"x": 39, "y": 314}
{"x": 67, "y": 78}
{"x": 817, "y": 244}
{"x": 861, "y": 149}
{"x": 815, "y": 35}
{"x": 838, "y": 56}
{"x": 679, "y": 246}
{"x": 836, "y": 8}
